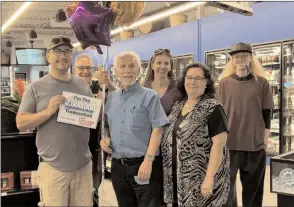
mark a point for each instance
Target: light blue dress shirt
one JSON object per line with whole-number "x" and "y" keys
{"x": 131, "y": 116}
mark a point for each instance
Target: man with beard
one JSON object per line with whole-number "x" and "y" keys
{"x": 65, "y": 168}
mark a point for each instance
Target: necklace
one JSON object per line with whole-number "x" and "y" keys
{"x": 190, "y": 106}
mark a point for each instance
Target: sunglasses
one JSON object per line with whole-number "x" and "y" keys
{"x": 61, "y": 40}
{"x": 160, "y": 50}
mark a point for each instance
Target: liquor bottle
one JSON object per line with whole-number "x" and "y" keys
{"x": 289, "y": 104}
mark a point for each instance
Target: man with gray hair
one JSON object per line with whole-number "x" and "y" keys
{"x": 133, "y": 134}
{"x": 84, "y": 68}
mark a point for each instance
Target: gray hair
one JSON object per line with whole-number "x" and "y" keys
{"x": 126, "y": 53}
{"x": 83, "y": 56}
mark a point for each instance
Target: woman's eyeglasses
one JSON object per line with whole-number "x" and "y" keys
{"x": 197, "y": 78}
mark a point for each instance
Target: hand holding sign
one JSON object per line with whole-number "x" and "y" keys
{"x": 54, "y": 104}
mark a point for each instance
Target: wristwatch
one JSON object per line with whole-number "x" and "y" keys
{"x": 150, "y": 157}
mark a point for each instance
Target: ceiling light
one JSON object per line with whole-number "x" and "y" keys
{"x": 15, "y": 15}
{"x": 155, "y": 17}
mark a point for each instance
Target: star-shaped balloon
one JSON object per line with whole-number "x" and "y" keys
{"x": 90, "y": 23}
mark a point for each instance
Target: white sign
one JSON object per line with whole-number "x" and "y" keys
{"x": 79, "y": 110}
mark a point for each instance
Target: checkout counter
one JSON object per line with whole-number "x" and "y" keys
{"x": 282, "y": 178}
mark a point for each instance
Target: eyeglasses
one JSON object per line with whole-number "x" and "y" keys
{"x": 61, "y": 40}
{"x": 197, "y": 78}
{"x": 160, "y": 50}
{"x": 66, "y": 52}
{"x": 242, "y": 57}
{"x": 85, "y": 68}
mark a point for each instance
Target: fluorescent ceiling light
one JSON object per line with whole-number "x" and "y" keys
{"x": 155, "y": 17}
{"x": 15, "y": 15}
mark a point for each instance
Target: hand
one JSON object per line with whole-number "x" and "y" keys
{"x": 70, "y": 9}
{"x": 54, "y": 104}
{"x": 207, "y": 187}
{"x": 105, "y": 145}
{"x": 99, "y": 95}
{"x": 145, "y": 170}
{"x": 102, "y": 77}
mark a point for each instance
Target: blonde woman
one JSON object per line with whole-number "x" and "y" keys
{"x": 247, "y": 99}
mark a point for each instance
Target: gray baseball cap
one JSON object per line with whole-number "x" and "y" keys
{"x": 240, "y": 47}
{"x": 59, "y": 40}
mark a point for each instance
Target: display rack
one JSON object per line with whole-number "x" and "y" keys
{"x": 19, "y": 153}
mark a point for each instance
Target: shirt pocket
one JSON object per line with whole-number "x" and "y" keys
{"x": 139, "y": 119}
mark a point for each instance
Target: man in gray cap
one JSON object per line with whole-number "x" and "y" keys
{"x": 247, "y": 99}
{"x": 65, "y": 168}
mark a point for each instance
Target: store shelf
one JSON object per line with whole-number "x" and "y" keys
{"x": 18, "y": 191}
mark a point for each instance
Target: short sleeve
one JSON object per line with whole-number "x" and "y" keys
{"x": 156, "y": 112}
{"x": 217, "y": 121}
{"x": 28, "y": 102}
{"x": 267, "y": 97}
{"x": 219, "y": 94}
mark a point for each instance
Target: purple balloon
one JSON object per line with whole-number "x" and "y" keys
{"x": 92, "y": 26}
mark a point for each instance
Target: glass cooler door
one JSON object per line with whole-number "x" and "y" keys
{"x": 216, "y": 61}
{"x": 288, "y": 97}
{"x": 269, "y": 56}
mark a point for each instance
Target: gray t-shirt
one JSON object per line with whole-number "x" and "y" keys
{"x": 63, "y": 146}
{"x": 243, "y": 102}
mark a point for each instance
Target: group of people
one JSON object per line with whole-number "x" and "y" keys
{"x": 172, "y": 142}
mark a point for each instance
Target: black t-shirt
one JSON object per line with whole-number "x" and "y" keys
{"x": 217, "y": 121}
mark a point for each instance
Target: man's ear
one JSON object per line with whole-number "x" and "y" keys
{"x": 74, "y": 69}
{"x": 48, "y": 57}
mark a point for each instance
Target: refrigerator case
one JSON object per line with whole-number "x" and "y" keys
{"x": 288, "y": 97}
{"x": 269, "y": 55}
{"x": 216, "y": 61}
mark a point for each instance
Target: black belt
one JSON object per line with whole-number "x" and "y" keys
{"x": 129, "y": 161}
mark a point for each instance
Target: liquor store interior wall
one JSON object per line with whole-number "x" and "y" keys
{"x": 272, "y": 21}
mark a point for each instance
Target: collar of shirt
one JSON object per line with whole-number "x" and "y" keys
{"x": 136, "y": 86}
{"x": 245, "y": 78}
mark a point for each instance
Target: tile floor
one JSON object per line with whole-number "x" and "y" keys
{"x": 108, "y": 197}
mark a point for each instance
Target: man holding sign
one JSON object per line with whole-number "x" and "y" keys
{"x": 65, "y": 169}
{"x": 135, "y": 119}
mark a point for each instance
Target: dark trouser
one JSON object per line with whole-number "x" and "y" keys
{"x": 97, "y": 175}
{"x": 252, "y": 171}
{"x": 128, "y": 192}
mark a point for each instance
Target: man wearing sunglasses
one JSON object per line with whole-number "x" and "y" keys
{"x": 84, "y": 68}
{"x": 65, "y": 168}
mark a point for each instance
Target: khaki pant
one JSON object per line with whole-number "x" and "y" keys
{"x": 65, "y": 188}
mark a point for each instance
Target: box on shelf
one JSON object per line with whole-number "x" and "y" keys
{"x": 28, "y": 179}
{"x": 7, "y": 181}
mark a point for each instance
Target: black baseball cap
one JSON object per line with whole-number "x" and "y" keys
{"x": 59, "y": 40}
{"x": 240, "y": 47}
